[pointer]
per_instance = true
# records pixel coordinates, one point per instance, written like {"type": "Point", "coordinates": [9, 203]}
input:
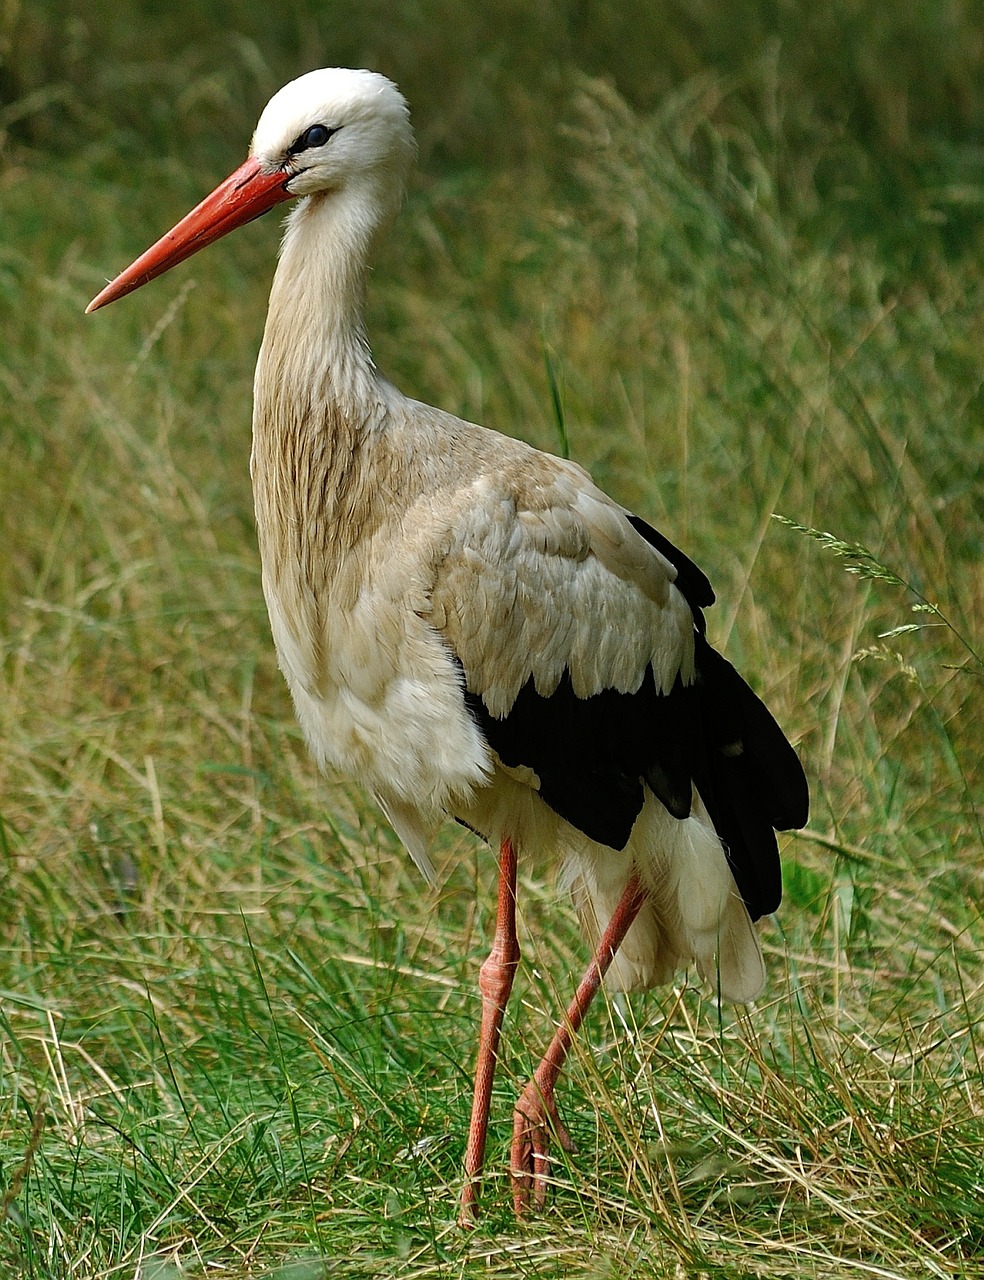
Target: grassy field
{"type": "Point", "coordinates": [235, 1030]}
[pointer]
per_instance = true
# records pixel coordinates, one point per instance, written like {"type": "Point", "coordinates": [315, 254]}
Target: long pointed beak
{"type": "Point", "coordinates": [243, 196]}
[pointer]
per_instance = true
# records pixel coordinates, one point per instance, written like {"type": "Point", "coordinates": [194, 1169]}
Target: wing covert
{"type": "Point", "coordinates": [550, 581]}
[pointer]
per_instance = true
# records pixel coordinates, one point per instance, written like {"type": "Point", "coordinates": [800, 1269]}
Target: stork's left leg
{"type": "Point", "coordinates": [495, 982]}
{"type": "Point", "coordinates": [536, 1116]}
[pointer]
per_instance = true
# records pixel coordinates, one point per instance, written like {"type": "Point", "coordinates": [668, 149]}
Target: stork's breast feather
{"type": "Point", "coordinates": [543, 578]}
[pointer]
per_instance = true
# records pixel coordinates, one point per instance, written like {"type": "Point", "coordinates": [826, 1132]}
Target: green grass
{"type": "Point", "coordinates": [235, 1030]}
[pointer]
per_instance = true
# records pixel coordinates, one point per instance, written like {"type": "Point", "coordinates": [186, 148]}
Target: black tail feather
{"type": "Point", "coordinates": [750, 779]}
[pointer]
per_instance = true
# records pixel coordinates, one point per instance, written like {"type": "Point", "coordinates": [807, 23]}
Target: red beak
{"type": "Point", "coordinates": [243, 196]}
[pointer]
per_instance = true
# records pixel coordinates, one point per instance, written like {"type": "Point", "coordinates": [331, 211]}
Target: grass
{"type": "Point", "coordinates": [235, 1030]}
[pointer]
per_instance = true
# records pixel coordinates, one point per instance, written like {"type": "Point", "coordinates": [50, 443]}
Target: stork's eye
{"type": "Point", "coordinates": [316, 136]}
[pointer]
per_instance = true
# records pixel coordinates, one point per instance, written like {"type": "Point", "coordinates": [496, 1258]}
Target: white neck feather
{"type": "Point", "coordinates": [315, 350]}
{"type": "Point", "coordinates": [319, 405]}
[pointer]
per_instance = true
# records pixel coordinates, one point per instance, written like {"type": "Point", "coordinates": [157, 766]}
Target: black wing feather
{"type": "Point", "coordinates": [692, 582]}
{"type": "Point", "coordinates": [592, 755]}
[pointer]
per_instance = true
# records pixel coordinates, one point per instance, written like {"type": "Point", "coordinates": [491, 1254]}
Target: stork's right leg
{"type": "Point", "coordinates": [495, 981]}
{"type": "Point", "coordinates": [536, 1117]}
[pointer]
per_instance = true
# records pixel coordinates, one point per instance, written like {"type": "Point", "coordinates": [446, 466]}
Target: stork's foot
{"type": "Point", "coordinates": [535, 1121]}
{"type": "Point", "coordinates": [468, 1208]}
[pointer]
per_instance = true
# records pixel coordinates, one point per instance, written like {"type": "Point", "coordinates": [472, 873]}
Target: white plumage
{"type": "Point", "coordinates": [471, 627]}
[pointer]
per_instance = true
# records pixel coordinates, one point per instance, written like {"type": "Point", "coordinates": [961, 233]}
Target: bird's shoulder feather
{"type": "Point", "coordinates": [539, 575]}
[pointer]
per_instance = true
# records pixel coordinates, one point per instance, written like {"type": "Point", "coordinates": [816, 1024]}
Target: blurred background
{"type": "Point", "coordinates": [868, 111]}
{"type": "Point", "coordinates": [887, 79]}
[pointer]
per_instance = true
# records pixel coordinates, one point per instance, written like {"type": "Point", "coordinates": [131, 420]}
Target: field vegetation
{"type": "Point", "coordinates": [727, 256]}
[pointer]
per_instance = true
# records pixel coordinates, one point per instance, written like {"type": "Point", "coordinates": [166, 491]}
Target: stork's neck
{"type": "Point", "coordinates": [315, 355]}
{"type": "Point", "coordinates": [320, 408]}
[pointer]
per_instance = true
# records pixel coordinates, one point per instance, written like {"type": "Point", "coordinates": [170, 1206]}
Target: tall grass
{"type": "Point", "coordinates": [235, 1031]}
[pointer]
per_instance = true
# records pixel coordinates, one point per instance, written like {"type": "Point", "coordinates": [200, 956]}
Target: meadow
{"type": "Point", "coordinates": [729, 258]}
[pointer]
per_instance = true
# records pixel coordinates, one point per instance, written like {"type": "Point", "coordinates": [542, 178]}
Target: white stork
{"type": "Point", "coordinates": [474, 630]}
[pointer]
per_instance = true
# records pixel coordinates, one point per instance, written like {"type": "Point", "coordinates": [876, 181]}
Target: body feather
{"type": "Point", "coordinates": [474, 630]}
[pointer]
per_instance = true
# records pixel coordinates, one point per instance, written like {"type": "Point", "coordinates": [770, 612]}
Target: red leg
{"type": "Point", "coordinates": [536, 1116]}
{"type": "Point", "coordinates": [495, 981]}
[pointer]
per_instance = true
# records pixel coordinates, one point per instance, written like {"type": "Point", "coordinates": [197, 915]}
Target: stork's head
{"type": "Point", "coordinates": [334, 128]}
{"type": "Point", "coordinates": [340, 132]}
